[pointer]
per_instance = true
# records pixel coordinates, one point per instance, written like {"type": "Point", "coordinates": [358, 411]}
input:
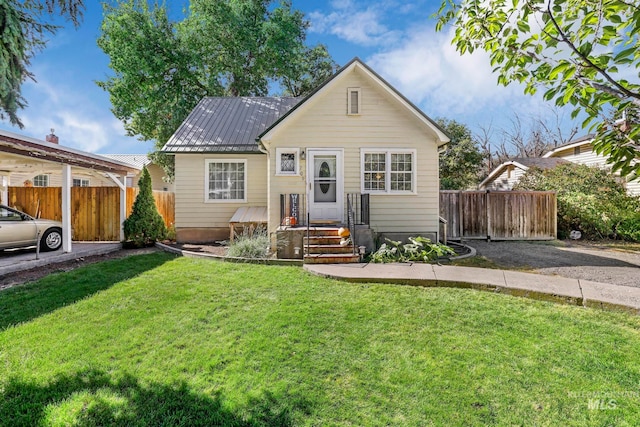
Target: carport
{"type": "Point", "coordinates": [21, 154]}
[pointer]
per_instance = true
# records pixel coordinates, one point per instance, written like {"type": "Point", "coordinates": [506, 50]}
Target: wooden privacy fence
{"type": "Point", "coordinates": [95, 211]}
{"type": "Point", "coordinates": [165, 202]}
{"type": "Point", "coordinates": [499, 215]}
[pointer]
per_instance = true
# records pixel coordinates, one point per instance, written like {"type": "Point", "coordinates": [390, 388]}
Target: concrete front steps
{"type": "Point", "coordinates": [323, 247]}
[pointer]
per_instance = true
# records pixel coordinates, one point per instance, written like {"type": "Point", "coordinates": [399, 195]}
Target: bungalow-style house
{"type": "Point", "coordinates": [507, 174]}
{"type": "Point", "coordinates": [581, 151]}
{"type": "Point", "coordinates": [353, 151]}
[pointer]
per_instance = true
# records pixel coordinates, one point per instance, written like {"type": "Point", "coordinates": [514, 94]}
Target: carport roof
{"type": "Point", "coordinates": [38, 150]}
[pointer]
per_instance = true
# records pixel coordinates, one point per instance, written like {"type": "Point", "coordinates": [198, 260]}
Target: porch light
{"type": "Point", "coordinates": [296, 250]}
{"type": "Point", "coordinates": [302, 155]}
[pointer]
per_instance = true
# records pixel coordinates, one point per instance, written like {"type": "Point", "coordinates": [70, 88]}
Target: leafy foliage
{"type": "Point", "coordinates": [461, 164]}
{"type": "Point", "coordinates": [253, 245]}
{"type": "Point", "coordinates": [222, 48]}
{"type": "Point", "coordinates": [145, 225]}
{"type": "Point", "coordinates": [22, 34]}
{"type": "Point", "coordinates": [418, 249]}
{"type": "Point", "coordinates": [589, 199]}
{"type": "Point", "coordinates": [583, 54]}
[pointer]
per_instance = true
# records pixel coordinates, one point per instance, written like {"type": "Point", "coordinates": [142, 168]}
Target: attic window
{"type": "Point", "coordinates": [576, 151]}
{"type": "Point", "coordinates": [287, 161]}
{"type": "Point", "coordinates": [353, 101]}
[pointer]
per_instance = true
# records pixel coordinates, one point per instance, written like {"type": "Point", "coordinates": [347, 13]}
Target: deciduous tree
{"type": "Point", "coordinates": [585, 54]}
{"type": "Point", "coordinates": [462, 162]}
{"type": "Point", "coordinates": [221, 48]}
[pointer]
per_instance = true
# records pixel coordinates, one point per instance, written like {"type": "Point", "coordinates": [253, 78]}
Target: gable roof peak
{"type": "Point", "coordinates": [441, 134]}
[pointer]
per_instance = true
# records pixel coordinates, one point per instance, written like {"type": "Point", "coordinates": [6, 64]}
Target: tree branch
{"type": "Point", "coordinates": [622, 90]}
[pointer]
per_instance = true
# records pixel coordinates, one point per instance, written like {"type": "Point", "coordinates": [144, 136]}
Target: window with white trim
{"type": "Point", "coordinates": [388, 171]}
{"type": "Point", "coordinates": [353, 101]}
{"type": "Point", "coordinates": [41, 181]}
{"type": "Point", "coordinates": [226, 181]}
{"type": "Point", "coordinates": [287, 161]}
{"type": "Point", "coordinates": [80, 182]}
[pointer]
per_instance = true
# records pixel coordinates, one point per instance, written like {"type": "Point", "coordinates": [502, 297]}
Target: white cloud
{"type": "Point", "coordinates": [359, 26]}
{"type": "Point", "coordinates": [428, 69]}
{"type": "Point", "coordinates": [80, 116]}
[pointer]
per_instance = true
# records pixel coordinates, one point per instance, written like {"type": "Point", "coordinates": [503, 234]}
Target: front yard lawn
{"type": "Point", "coordinates": [157, 340]}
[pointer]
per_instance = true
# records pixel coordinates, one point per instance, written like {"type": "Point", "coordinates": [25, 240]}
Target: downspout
{"type": "Point", "coordinates": [272, 235]}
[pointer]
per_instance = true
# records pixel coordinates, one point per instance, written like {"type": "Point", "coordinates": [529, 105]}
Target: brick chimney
{"type": "Point", "coordinates": [52, 138]}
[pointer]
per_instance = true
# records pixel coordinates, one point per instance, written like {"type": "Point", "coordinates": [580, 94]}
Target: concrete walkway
{"type": "Point", "coordinates": [537, 286]}
{"type": "Point", "coordinates": [25, 259]}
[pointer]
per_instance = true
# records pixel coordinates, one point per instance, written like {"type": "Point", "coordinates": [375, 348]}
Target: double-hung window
{"type": "Point", "coordinates": [388, 171]}
{"type": "Point", "coordinates": [226, 181]}
{"type": "Point", "coordinates": [41, 181]}
{"type": "Point", "coordinates": [80, 182]}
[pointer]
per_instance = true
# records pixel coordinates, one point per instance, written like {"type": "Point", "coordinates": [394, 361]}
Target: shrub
{"type": "Point", "coordinates": [629, 228]}
{"type": "Point", "coordinates": [145, 225]}
{"type": "Point", "coordinates": [250, 245]}
{"type": "Point", "coordinates": [589, 199]}
{"type": "Point", "coordinates": [418, 249]}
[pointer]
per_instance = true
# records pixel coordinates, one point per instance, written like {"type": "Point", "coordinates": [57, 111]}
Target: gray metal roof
{"type": "Point", "coordinates": [136, 160]}
{"type": "Point", "coordinates": [225, 124]}
{"type": "Point", "coordinates": [540, 162]}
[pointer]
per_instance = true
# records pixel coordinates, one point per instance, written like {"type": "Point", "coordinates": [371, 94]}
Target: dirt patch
{"type": "Point", "coordinates": [580, 260]}
{"type": "Point", "coordinates": [215, 248]}
{"type": "Point", "coordinates": [31, 275]}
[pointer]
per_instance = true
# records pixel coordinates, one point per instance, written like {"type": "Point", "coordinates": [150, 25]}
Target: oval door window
{"type": "Point", "coordinates": [324, 172]}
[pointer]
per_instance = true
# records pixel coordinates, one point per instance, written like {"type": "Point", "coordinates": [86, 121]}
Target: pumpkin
{"type": "Point", "coordinates": [343, 232]}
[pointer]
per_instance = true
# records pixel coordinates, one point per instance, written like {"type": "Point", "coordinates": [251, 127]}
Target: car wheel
{"type": "Point", "coordinates": [51, 240]}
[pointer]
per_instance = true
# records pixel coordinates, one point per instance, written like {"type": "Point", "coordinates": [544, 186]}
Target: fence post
{"type": "Point", "coordinates": [460, 216]}
{"type": "Point", "coordinates": [488, 210]}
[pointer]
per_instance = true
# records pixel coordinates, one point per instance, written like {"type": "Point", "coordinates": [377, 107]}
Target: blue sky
{"type": "Point", "coordinates": [396, 38]}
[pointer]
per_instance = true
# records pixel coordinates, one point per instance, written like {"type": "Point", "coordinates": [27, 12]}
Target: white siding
{"type": "Point", "coordinates": [191, 209]}
{"type": "Point", "coordinates": [505, 181]}
{"type": "Point", "coordinates": [590, 158]}
{"type": "Point", "coordinates": [55, 179]}
{"type": "Point", "coordinates": [586, 157]}
{"type": "Point", "coordinates": [382, 123]}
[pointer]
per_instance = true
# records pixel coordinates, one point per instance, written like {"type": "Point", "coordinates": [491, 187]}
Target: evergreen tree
{"type": "Point", "coordinates": [145, 225]}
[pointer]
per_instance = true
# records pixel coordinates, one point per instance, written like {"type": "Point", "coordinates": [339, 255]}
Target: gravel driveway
{"type": "Point", "coordinates": [568, 259]}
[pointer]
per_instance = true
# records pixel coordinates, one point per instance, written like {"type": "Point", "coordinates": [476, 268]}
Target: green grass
{"type": "Point", "coordinates": [156, 340]}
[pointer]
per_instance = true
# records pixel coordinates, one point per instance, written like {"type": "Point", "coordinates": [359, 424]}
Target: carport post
{"type": "Point", "coordinates": [122, 183]}
{"type": "Point", "coordinates": [66, 208]}
{"type": "Point", "coordinates": [5, 190]}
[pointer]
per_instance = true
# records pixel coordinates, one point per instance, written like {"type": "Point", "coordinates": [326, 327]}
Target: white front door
{"type": "Point", "coordinates": [325, 185]}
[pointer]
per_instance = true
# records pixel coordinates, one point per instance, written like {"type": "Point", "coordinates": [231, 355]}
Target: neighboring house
{"type": "Point", "coordinates": [581, 151]}
{"type": "Point", "coordinates": [159, 180]}
{"type": "Point", "coordinates": [286, 157]}
{"type": "Point", "coordinates": [507, 174]}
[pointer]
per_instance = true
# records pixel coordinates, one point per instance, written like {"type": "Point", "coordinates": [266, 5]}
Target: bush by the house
{"type": "Point", "coordinates": [145, 225]}
{"type": "Point", "coordinates": [250, 244]}
{"type": "Point", "coordinates": [590, 200]}
{"type": "Point", "coordinates": [418, 249]}
{"type": "Point", "coordinates": [629, 228]}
